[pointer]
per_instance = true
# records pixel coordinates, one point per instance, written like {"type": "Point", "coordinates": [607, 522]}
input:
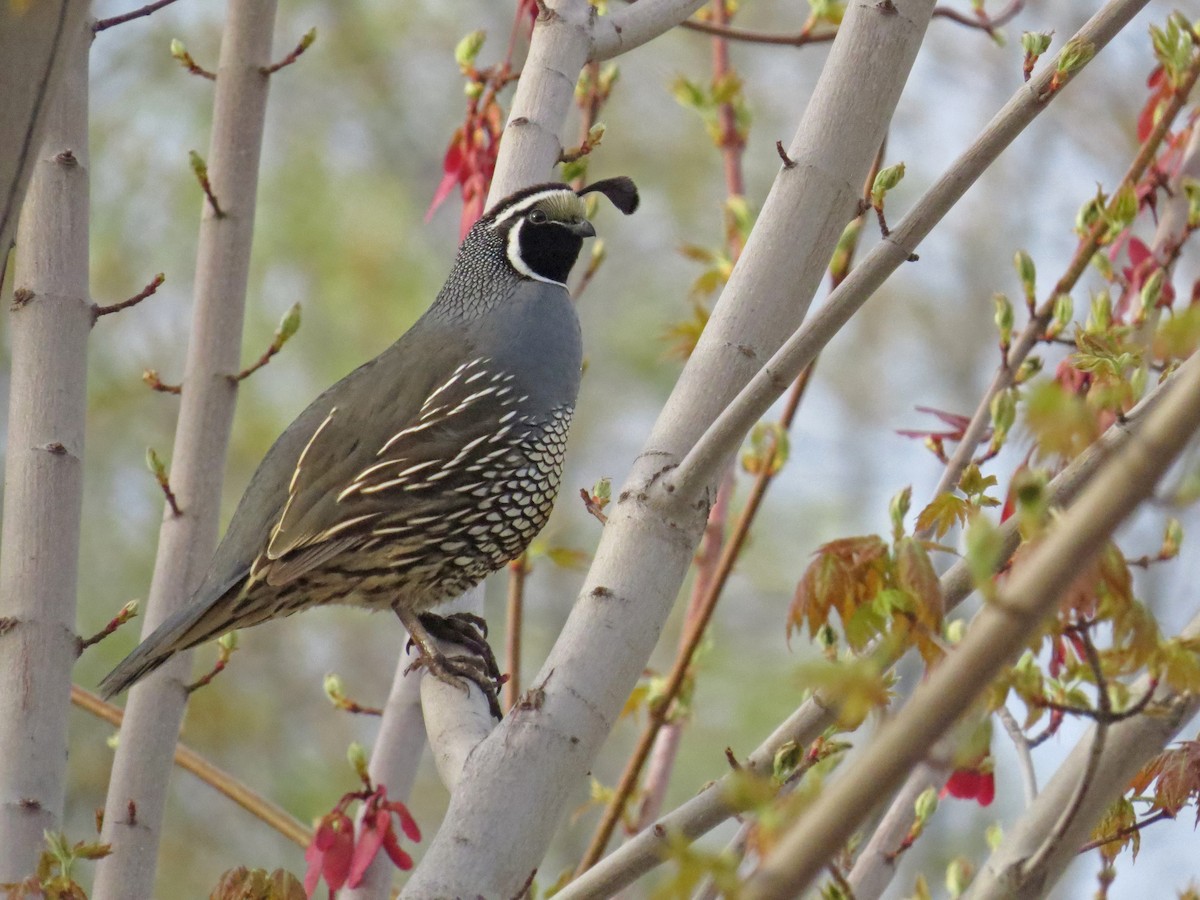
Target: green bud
{"type": "Point", "coordinates": [958, 876]}
{"type": "Point", "coordinates": [308, 40]}
{"type": "Point", "coordinates": [1004, 318]}
{"type": "Point", "coordinates": [1092, 210]}
{"type": "Point", "coordinates": [1027, 272]}
{"type": "Point", "coordinates": [1035, 43]}
{"type": "Point", "coordinates": [887, 179]}
{"type": "Point", "coordinates": [468, 48]}
{"type": "Point", "coordinates": [1004, 413]}
{"type": "Point", "coordinates": [599, 253]}
{"type": "Point", "coordinates": [602, 490]}
{"type": "Point", "coordinates": [1191, 190]}
{"type": "Point", "coordinates": [473, 89]}
{"type": "Point", "coordinates": [956, 630]}
{"type": "Point", "coordinates": [178, 50]}
{"type": "Point", "coordinates": [898, 509]}
{"type": "Point", "coordinates": [198, 164]}
{"type": "Point", "coordinates": [1075, 55]}
{"type": "Point", "coordinates": [155, 464]}
{"type": "Point", "coordinates": [333, 687]}
{"type": "Point", "coordinates": [289, 324]}
{"type": "Point", "coordinates": [1100, 317]}
{"type": "Point", "coordinates": [994, 835]}
{"type": "Point", "coordinates": [1152, 292]}
{"type": "Point", "coordinates": [1123, 208]}
{"type": "Point", "coordinates": [1029, 367]}
{"type": "Point", "coordinates": [595, 134]}
{"type": "Point", "coordinates": [228, 641]}
{"type": "Point", "coordinates": [839, 264]}
{"type": "Point", "coordinates": [786, 759]}
{"type": "Point", "coordinates": [926, 805]}
{"type": "Point", "coordinates": [1064, 311]}
{"type": "Point", "coordinates": [1172, 539]}
{"type": "Point", "coordinates": [358, 759]}
{"type": "Point", "coordinates": [984, 547]}
{"type": "Point", "coordinates": [1137, 381]}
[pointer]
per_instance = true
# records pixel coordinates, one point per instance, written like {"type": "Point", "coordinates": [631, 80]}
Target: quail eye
{"type": "Point", "coordinates": [537, 217]}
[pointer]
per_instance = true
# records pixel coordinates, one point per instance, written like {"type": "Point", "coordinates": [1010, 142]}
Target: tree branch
{"type": "Point", "coordinates": [703, 459]}
{"type": "Point", "coordinates": [105, 24]}
{"type": "Point", "coordinates": [709, 808]}
{"type": "Point", "coordinates": [35, 44]}
{"type": "Point", "coordinates": [189, 760]}
{"type": "Point", "coordinates": [631, 26]}
{"type": "Point", "coordinates": [1128, 745]}
{"type": "Point", "coordinates": [186, 542]}
{"type": "Point", "coordinates": [998, 633]}
{"type": "Point", "coordinates": [43, 469]}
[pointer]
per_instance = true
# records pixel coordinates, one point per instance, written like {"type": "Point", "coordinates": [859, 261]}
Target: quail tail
{"type": "Point", "coordinates": [189, 627]}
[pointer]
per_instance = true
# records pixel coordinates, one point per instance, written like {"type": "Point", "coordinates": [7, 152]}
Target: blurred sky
{"type": "Point", "coordinates": [355, 137]}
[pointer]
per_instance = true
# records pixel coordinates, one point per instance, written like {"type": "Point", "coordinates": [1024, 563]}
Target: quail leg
{"type": "Point", "coordinates": [467, 631]}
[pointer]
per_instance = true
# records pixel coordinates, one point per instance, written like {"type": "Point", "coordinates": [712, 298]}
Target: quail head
{"type": "Point", "coordinates": [425, 469]}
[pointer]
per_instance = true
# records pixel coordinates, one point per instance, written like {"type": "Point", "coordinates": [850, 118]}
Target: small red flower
{"type": "Point", "coordinates": [977, 783]}
{"type": "Point", "coordinates": [378, 832]}
{"type": "Point", "coordinates": [339, 858]}
{"type": "Point", "coordinates": [330, 853]}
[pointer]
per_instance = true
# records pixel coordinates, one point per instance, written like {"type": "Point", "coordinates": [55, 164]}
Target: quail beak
{"type": "Point", "coordinates": [582, 227]}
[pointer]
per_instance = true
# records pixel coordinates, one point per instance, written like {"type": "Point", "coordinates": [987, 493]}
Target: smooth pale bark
{"type": "Point", "coordinates": [137, 793]}
{"type": "Point", "coordinates": [524, 771]}
{"type": "Point", "coordinates": [998, 634]}
{"type": "Point", "coordinates": [1024, 865]}
{"type": "Point", "coordinates": [43, 473]}
{"type": "Point", "coordinates": [34, 47]}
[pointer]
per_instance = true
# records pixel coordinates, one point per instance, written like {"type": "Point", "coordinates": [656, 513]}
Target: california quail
{"type": "Point", "coordinates": [425, 469]}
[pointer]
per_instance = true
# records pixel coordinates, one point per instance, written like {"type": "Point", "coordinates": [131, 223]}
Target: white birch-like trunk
{"type": "Point", "coordinates": [524, 771]}
{"type": "Point", "coordinates": [34, 47]}
{"type": "Point", "coordinates": [43, 475]}
{"type": "Point", "coordinates": [137, 792]}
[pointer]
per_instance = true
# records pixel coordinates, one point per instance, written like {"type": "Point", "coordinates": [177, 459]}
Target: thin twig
{"type": "Point", "coordinates": [305, 42]}
{"type": "Point", "coordinates": [150, 377]}
{"type": "Point", "coordinates": [1024, 757]}
{"type": "Point", "coordinates": [128, 611]}
{"type": "Point", "coordinates": [1036, 327]}
{"type": "Point", "coordinates": [806, 36]}
{"type": "Point", "coordinates": [200, 168]}
{"type": "Point", "coordinates": [186, 758]}
{"type": "Point", "coordinates": [1127, 830]}
{"type": "Point", "coordinates": [147, 291]}
{"type": "Point", "coordinates": [105, 24]}
{"type": "Point", "coordinates": [517, 570]}
{"type": "Point", "coordinates": [1035, 861]}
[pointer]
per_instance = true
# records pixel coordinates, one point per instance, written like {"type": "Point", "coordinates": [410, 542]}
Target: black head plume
{"type": "Point", "coordinates": [621, 192]}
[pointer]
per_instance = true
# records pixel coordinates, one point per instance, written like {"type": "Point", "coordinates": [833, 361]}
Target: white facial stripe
{"type": "Point", "coordinates": [525, 204]}
{"type": "Point", "coordinates": [514, 256]}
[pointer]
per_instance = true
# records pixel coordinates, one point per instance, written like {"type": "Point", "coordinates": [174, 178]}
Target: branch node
{"type": "Point", "coordinates": [147, 291]}
{"type": "Point", "coordinates": [21, 298]}
{"type": "Point", "coordinates": [788, 162]}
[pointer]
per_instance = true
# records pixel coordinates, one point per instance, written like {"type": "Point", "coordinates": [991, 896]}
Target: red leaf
{"type": "Point", "coordinates": [375, 826]}
{"type": "Point", "coordinates": [398, 857]}
{"type": "Point", "coordinates": [971, 784]}
{"type": "Point", "coordinates": [329, 853]}
{"type": "Point", "coordinates": [452, 165]}
{"type": "Point", "coordinates": [407, 822]}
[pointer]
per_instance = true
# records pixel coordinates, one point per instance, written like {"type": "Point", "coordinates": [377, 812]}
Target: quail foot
{"type": "Point", "coordinates": [425, 469]}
